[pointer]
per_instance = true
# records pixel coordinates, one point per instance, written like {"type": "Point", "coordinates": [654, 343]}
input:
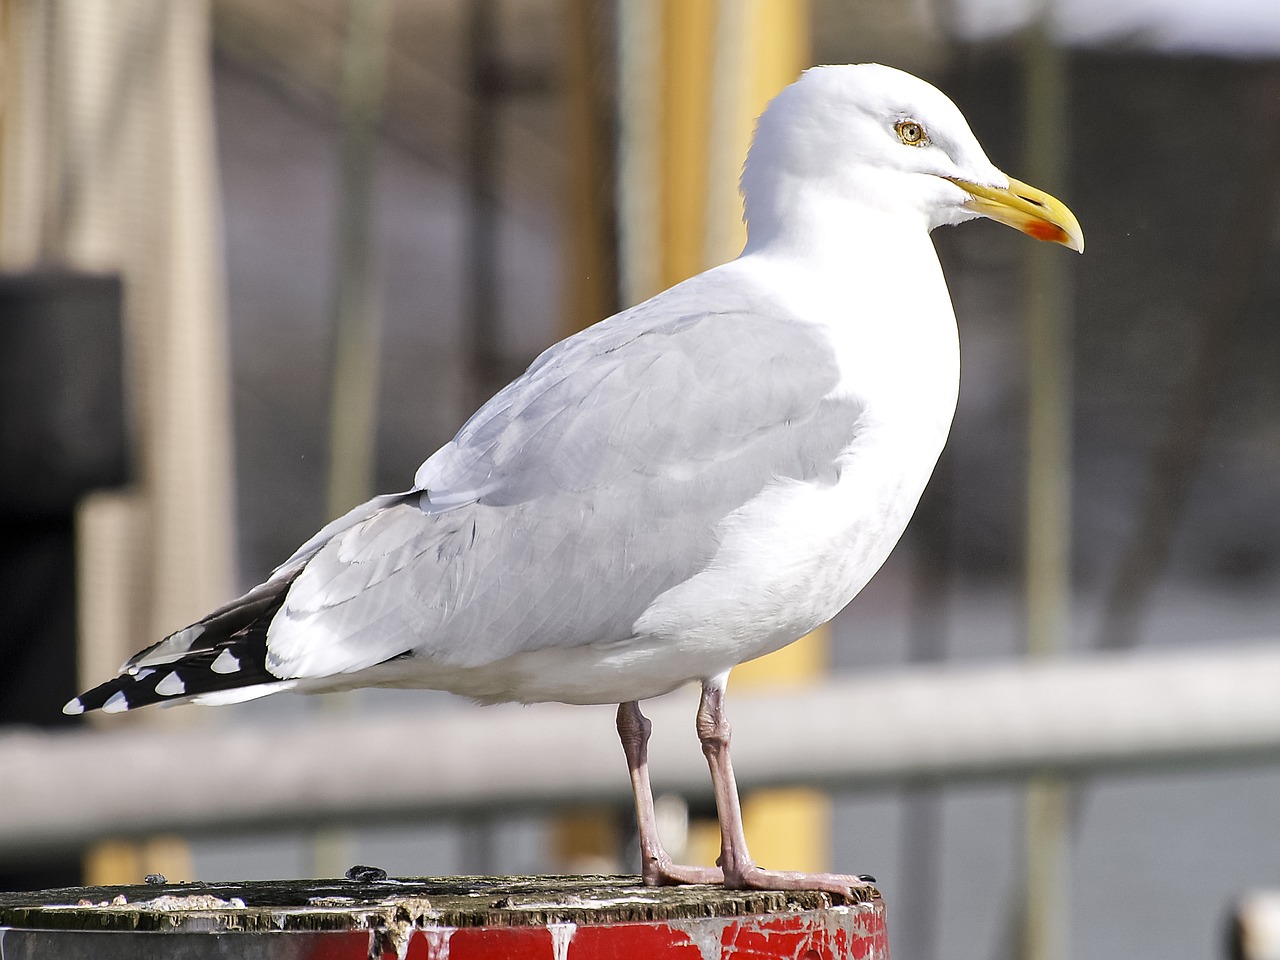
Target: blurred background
{"type": "Point", "coordinates": [259, 258]}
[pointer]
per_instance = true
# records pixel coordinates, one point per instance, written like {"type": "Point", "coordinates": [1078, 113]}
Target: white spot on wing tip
{"type": "Point", "coordinates": [225, 663]}
{"type": "Point", "coordinates": [73, 708]}
{"type": "Point", "coordinates": [171, 686]}
{"type": "Point", "coordinates": [116, 704]}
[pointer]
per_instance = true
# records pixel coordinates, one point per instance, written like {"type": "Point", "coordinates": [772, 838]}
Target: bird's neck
{"type": "Point", "coordinates": [835, 232]}
{"type": "Point", "coordinates": [849, 246]}
{"type": "Point", "coordinates": [872, 279]}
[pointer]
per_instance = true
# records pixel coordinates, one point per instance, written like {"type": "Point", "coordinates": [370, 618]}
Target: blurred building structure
{"type": "Point", "coordinates": [1169, 160]}
{"type": "Point", "coordinates": [107, 167]}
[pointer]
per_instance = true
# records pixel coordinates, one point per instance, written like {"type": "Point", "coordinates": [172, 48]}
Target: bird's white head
{"type": "Point", "coordinates": [866, 140]}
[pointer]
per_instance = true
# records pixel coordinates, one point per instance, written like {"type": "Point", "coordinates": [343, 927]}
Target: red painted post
{"type": "Point", "coordinates": [833, 933]}
{"type": "Point", "coordinates": [461, 918]}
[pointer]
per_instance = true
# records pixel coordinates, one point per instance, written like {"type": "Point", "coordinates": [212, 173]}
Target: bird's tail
{"type": "Point", "coordinates": [220, 659]}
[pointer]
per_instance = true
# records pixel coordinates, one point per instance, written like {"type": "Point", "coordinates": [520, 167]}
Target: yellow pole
{"type": "Point", "coordinates": [687, 31]}
{"type": "Point", "coordinates": [721, 64]}
{"type": "Point", "coordinates": [714, 64]}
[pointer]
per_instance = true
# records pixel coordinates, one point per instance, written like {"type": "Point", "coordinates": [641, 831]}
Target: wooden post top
{"type": "Point", "coordinates": [558, 918]}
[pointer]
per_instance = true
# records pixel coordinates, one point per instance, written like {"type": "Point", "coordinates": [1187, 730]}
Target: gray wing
{"type": "Point", "coordinates": [578, 494]}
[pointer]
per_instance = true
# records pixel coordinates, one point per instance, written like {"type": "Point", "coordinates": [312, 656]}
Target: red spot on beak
{"type": "Point", "coordinates": [1043, 230]}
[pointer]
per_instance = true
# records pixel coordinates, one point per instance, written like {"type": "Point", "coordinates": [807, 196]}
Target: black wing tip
{"type": "Point", "coordinates": [129, 690]}
{"type": "Point", "coordinates": [229, 666]}
{"type": "Point", "coordinates": [225, 651]}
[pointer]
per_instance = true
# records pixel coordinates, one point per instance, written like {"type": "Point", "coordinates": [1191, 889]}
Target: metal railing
{"type": "Point", "coordinates": [1102, 713]}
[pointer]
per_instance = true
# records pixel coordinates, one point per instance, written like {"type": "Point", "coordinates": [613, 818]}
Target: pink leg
{"type": "Point", "coordinates": [656, 866]}
{"type": "Point", "coordinates": [740, 871]}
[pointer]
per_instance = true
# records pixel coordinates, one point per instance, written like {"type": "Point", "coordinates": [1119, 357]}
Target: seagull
{"type": "Point", "coordinates": [692, 483]}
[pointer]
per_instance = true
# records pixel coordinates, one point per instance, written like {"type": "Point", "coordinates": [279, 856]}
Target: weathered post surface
{"type": "Point", "coordinates": [452, 918]}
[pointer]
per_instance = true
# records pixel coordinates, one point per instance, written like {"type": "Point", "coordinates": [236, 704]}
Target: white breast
{"type": "Point", "coordinates": [796, 554]}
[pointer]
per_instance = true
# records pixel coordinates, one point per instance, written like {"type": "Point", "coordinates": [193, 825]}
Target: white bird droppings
{"type": "Point", "coordinates": [438, 942]}
{"type": "Point", "coordinates": [561, 937]}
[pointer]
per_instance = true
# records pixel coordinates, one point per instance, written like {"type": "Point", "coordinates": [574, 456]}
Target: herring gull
{"type": "Point", "coordinates": [692, 483]}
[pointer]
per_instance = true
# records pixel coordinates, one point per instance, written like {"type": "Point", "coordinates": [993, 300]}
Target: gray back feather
{"type": "Point", "coordinates": [580, 492]}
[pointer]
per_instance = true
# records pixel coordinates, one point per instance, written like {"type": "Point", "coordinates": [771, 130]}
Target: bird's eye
{"type": "Point", "coordinates": [911, 133]}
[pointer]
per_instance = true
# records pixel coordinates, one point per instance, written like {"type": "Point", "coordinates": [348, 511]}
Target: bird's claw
{"type": "Point", "coordinates": [662, 872]}
{"type": "Point", "coordinates": [849, 888]}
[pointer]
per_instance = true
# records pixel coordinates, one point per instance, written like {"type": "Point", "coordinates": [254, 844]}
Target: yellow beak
{"type": "Point", "coordinates": [1025, 208]}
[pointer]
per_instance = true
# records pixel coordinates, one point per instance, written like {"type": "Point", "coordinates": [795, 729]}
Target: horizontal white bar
{"type": "Point", "coordinates": [1101, 713]}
